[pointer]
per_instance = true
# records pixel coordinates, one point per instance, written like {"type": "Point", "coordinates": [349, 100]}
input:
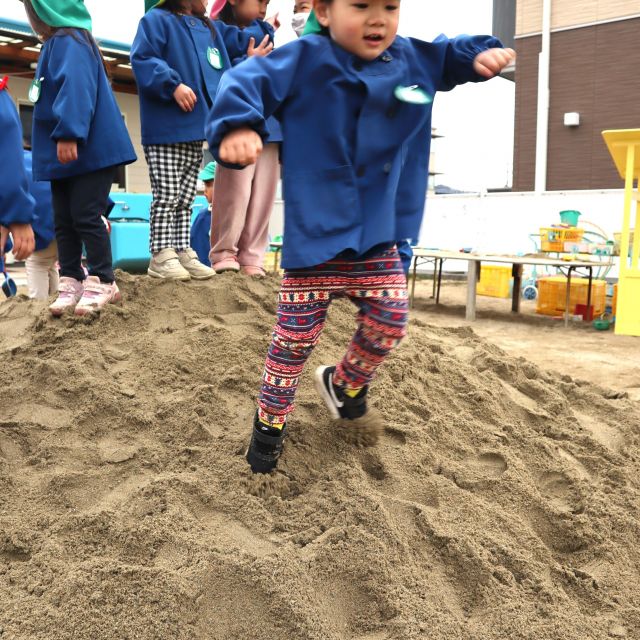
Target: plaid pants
{"type": "Point", "coordinates": [375, 284]}
{"type": "Point", "coordinates": [173, 170]}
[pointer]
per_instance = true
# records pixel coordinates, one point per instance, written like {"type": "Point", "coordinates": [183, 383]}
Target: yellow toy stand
{"type": "Point", "coordinates": [624, 147]}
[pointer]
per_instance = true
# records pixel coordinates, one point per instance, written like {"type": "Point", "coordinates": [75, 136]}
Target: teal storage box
{"type": "Point", "coordinates": [129, 220]}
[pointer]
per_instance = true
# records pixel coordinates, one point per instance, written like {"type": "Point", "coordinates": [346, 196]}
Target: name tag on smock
{"type": "Point", "coordinates": [412, 95]}
{"type": "Point", "coordinates": [34, 90]}
{"type": "Point", "coordinates": [214, 58]}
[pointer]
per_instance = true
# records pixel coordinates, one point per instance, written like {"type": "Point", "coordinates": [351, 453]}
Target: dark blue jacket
{"type": "Point", "coordinates": [201, 235]}
{"type": "Point", "coordinates": [76, 103]}
{"type": "Point", "coordinates": [346, 136]}
{"type": "Point", "coordinates": [169, 50]}
{"type": "Point", "coordinates": [16, 204]}
{"type": "Point", "coordinates": [43, 227]}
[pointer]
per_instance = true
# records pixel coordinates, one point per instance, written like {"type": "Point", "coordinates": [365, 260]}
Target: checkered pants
{"type": "Point", "coordinates": [173, 170]}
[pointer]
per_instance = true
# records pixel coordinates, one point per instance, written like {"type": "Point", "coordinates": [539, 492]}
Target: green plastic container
{"type": "Point", "coordinates": [570, 217]}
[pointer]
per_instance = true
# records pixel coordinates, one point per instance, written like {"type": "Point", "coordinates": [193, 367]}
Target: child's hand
{"type": "Point", "coordinates": [242, 146]}
{"type": "Point", "coordinates": [24, 242]}
{"type": "Point", "coordinates": [185, 97]}
{"type": "Point", "coordinates": [274, 21]}
{"type": "Point", "coordinates": [263, 49]}
{"type": "Point", "coordinates": [67, 151]}
{"type": "Point", "coordinates": [491, 62]}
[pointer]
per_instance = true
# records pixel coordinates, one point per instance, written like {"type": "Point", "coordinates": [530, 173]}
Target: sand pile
{"type": "Point", "coordinates": [502, 501]}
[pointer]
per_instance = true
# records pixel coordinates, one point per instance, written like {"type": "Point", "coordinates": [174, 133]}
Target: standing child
{"type": "Point", "coordinates": [16, 204]}
{"type": "Point", "coordinates": [301, 11]}
{"type": "Point", "coordinates": [79, 137]}
{"type": "Point", "coordinates": [351, 100]}
{"type": "Point", "coordinates": [201, 227]}
{"type": "Point", "coordinates": [244, 199]}
{"type": "Point", "coordinates": [178, 57]}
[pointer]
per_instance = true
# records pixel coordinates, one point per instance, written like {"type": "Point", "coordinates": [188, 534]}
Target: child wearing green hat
{"type": "Point", "coordinates": [79, 138]}
{"type": "Point", "coordinates": [355, 103]}
{"type": "Point", "coordinates": [178, 57]}
{"type": "Point", "coordinates": [201, 227]}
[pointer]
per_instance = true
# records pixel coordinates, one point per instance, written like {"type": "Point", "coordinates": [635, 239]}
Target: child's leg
{"type": "Point", "coordinates": [381, 295]}
{"type": "Point", "coordinates": [38, 267]}
{"type": "Point", "coordinates": [302, 310]}
{"type": "Point", "coordinates": [88, 195]}
{"type": "Point", "coordinates": [165, 173]}
{"type": "Point", "coordinates": [191, 154]}
{"type": "Point", "coordinates": [255, 235]}
{"type": "Point", "coordinates": [231, 195]}
{"type": "Point", "coordinates": [54, 276]}
{"type": "Point", "coordinates": [67, 237]}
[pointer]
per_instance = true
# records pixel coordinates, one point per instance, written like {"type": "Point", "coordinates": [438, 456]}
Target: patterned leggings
{"type": "Point", "coordinates": [375, 284]}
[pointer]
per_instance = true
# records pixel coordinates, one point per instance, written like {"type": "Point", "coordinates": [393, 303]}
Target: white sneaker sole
{"type": "Point", "coordinates": [324, 394]}
{"type": "Point", "coordinates": [206, 277]}
{"type": "Point", "coordinates": [155, 274]}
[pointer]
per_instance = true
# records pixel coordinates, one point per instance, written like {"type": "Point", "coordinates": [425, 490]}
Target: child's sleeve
{"type": "Point", "coordinates": [73, 68]}
{"type": "Point", "coordinates": [16, 204]}
{"type": "Point", "coordinates": [251, 92]}
{"type": "Point", "coordinates": [458, 55]}
{"type": "Point", "coordinates": [236, 40]}
{"type": "Point", "coordinates": [153, 75]}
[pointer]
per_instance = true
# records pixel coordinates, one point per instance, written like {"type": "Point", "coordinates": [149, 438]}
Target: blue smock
{"type": "Point", "coordinates": [347, 137]}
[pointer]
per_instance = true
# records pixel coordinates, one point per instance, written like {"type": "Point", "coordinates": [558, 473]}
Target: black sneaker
{"type": "Point", "coordinates": [338, 402]}
{"type": "Point", "coordinates": [265, 447]}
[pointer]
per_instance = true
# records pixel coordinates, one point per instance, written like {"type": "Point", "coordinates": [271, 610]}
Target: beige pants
{"type": "Point", "coordinates": [42, 274]}
{"type": "Point", "coordinates": [242, 204]}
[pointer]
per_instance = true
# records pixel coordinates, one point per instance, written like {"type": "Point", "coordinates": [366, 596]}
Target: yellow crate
{"type": "Point", "coordinates": [495, 281]}
{"type": "Point", "coordinates": [553, 238]}
{"type": "Point", "coordinates": [614, 302]}
{"type": "Point", "coordinates": [272, 261]}
{"type": "Point", "coordinates": [552, 295]}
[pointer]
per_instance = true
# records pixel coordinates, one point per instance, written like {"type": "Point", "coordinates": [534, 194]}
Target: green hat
{"type": "Point", "coordinates": [312, 26]}
{"type": "Point", "coordinates": [150, 4]}
{"type": "Point", "coordinates": [208, 173]}
{"type": "Point", "coordinates": [63, 13]}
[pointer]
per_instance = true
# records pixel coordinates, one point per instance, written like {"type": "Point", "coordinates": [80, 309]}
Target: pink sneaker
{"type": "Point", "coordinates": [228, 264]}
{"type": "Point", "coordinates": [254, 272]}
{"type": "Point", "coordinates": [69, 293]}
{"type": "Point", "coordinates": [96, 295]}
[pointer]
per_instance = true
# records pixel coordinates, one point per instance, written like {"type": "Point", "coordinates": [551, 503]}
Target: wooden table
{"type": "Point", "coordinates": [420, 256]}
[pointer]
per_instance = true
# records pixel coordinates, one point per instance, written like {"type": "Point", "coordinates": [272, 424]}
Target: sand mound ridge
{"type": "Point", "coordinates": [501, 501]}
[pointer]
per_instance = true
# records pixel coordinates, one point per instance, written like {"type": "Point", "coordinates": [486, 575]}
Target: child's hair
{"type": "Point", "coordinates": [177, 6]}
{"type": "Point", "coordinates": [46, 32]}
{"type": "Point", "coordinates": [228, 15]}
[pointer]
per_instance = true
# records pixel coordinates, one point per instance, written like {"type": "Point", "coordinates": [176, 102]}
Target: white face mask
{"type": "Point", "coordinates": [298, 22]}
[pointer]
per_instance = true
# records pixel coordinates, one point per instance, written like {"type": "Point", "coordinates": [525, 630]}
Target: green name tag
{"type": "Point", "coordinates": [34, 90]}
{"type": "Point", "coordinates": [412, 95]}
{"type": "Point", "coordinates": [214, 58]}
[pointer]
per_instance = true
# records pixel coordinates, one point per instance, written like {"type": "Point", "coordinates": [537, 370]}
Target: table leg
{"type": "Point", "coordinates": [435, 277]}
{"type": "Point", "coordinates": [589, 291]}
{"type": "Point", "coordinates": [517, 287]}
{"type": "Point", "coordinates": [413, 282]}
{"type": "Point", "coordinates": [567, 303]}
{"type": "Point", "coordinates": [441, 261]}
{"type": "Point", "coordinates": [472, 281]}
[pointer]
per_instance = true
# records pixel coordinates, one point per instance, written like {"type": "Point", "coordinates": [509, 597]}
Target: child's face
{"type": "Point", "coordinates": [365, 28]}
{"type": "Point", "coordinates": [303, 6]}
{"type": "Point", "coordinates": [199, 7]}
{"type": "Point", "coordinates": [247, 11]}
{"type": "Point", "coordinates": [208, 191]}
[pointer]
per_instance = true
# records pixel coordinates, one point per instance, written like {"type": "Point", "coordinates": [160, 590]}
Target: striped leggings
{"type": "Point", "coordinates": [375, 284]}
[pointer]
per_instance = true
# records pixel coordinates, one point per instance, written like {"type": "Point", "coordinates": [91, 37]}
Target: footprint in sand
{"type": "Point", "coordinates": [491, 465]}
{"type": "Point", "coordinates": [560, 492]}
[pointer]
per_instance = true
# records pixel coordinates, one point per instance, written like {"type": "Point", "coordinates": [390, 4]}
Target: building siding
{"type": "Point", "coordinates": [569, 13]}
{"type": "Point", "coordinates": [591, 73]}
{"type": "Point", "coordinates": [137, 173]}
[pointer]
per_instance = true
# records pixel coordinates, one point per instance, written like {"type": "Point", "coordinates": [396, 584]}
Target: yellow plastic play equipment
{"type": "Point", "coordinates": [624, 147]}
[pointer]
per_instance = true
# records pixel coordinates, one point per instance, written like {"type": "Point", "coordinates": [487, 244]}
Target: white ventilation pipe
{"type": "Point", "coordinates": [542, 132]}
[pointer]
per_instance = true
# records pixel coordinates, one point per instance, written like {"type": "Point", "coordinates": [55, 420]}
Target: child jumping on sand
{"type": "Point", "coordinates": [352, 100]}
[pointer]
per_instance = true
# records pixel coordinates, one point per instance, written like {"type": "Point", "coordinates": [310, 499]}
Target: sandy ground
{"type": "Point", "coordinates": [502, 501]}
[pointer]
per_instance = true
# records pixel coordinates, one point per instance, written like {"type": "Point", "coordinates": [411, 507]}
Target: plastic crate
{"type": "Point", "coordinates": [552, 295]}
{"type": "Point", "coordinates": [614, 303]}
{"type": "Point", "coordinates": [554, 238]}
{"type": "Point", "coordinates": [495, 281]}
